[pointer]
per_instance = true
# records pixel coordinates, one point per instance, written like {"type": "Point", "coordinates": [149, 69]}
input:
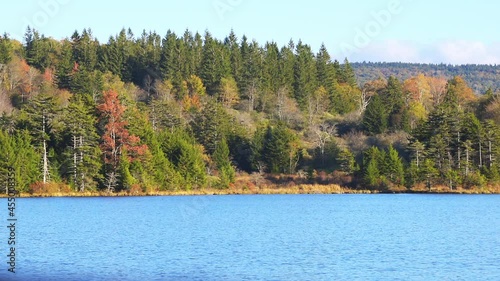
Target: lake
{"type": "Point", "coordinates": [296, 237]}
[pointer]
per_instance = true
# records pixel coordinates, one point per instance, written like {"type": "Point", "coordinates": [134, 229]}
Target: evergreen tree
{"type": "Point", "coordinates": [5, 49]}
{"type": "Point", "coordinates": [287, 66]}
{"type": "Point", "coordinates": [375, 117]}
{"type": "Point", "coordinates": [65, 66]}
{"type": "Point", "coordinates": [231, 43]}
{"type": "Point", "coordinates": [85, 49]}
{"type": "Point", "coordinates": [186, 156]}
{"type": "Point", "coordinates": [84, 163]}
{"type": "Point", "coordinates": [305, 75]}
{"type": "Point", "coordinates": [278, 149]}
{"type": "Point", "coordinates": [325, 69]}
{"type": "Point", "coordinates": [372, 164]}
{"type": "Point", "coordinates": [38, 115]}
{"type": "Point", "coordinates": [347, 74]}
{"type": "Point", "coordinates": [169, 62]}
{"type": "Point", "coordinates": [214, 64]}
{"type": "Point", "coordinates": [394, 168]}
{"type": "Point", "coordinates": [223, 163]}
{"type": "Point", "coordinates": [18, 153]}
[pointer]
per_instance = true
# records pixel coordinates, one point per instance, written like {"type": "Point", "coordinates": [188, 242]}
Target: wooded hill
{"type": "Point", "coordinates": [479, 77]}
{"type": "Point", "coordinates": [152, 113]}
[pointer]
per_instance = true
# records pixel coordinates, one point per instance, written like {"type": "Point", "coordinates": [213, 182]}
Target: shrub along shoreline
{"type": "Point", "coordinates": [301, 189]}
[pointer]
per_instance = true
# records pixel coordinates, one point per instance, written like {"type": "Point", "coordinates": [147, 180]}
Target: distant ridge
{"type": "Point", "coordinates": [479, 77]}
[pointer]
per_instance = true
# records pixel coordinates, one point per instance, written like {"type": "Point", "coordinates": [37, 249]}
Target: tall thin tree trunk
{"type": "Point", "coordinates": [467, 162]}
{"type": "Point", "coordinates": [45, 164]}
{"type": "Point", "coordinates": [75, 162]}
{"type": "Point", "coordinates": [490, 154]}
{"type": "Point", "coordinates": [82, 174]}
{"type": "Point", "coordinates": [480, 154]}
{"type": "Point", "coordinates": [459, 153]}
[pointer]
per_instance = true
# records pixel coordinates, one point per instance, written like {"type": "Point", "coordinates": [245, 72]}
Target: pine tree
{"type": "Point", "coordinates": [287, 67]}
{"type": "Point", "coordinates": [18, 153]}
{"type": "Point", "coordinates": [214, 64]}
{"type": "Point", "coordinates": [85, 50]}
{"type": "Point", "coordinates": [375, 117]}
{"type": "Point", "coordinates": [231, 43]}
{"type": "Point", "coordinates": [394, 168]}
{"type": "Point", "coordinates": [84, 151]}
{"type": "Point", "coordinates": [5, 49]}
{"type": "Point", "coordinates": [279, 149]}
{"type": "Point", "coordinates": [347, 74]}
{"type": "Point", "coordinates": [39, 114]}
{"type": "Point", "coordinates": [223, 162]}
{"type": "Point", "coordinates": [186, 156]}
{"type": "Point", "coordinates": [372, 164]}
{"type": "Point", "coordinates": [325, 69]}
{"type": "Point", "coordinates": [169, 62]}
{"type": "Point", "coordinates": [305, 75]}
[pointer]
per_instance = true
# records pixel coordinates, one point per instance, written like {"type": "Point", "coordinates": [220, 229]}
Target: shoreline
{"type": "Point", "coordinates": [266, 190]}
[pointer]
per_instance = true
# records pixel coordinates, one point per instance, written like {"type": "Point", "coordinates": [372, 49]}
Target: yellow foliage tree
{"type": "Point", "coordinates": [228, 92]}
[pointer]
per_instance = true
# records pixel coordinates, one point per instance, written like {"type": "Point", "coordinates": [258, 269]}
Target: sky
{"type": "Point", "coordinates": [420, 31]}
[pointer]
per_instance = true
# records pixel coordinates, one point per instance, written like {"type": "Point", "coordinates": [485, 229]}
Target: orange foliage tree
{"type": "Point", "coordinates": [116, 138]}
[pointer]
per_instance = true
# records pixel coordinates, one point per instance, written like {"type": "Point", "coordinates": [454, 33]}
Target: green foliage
{"type": "Point", "coordinates": [126, 180]}
{"type": "Point", "coordinates": [210, 125]}
{"type": "Point", "coordinates": [393, 167]}
{"type": "Point", "coordinates": [224, 165]}
{"type": "Point", "coordinates": [375, 118]}
{"type": "Point", "coordinates": [18, 153]}
{"type": "Point", "coordinates": [372, 164]}
{"type": "Point", "coordinates": [186, 156]}
{"type": "Point", "coordinates": [305, 74]}
{"type": "Point", "coordinates": [83, 162]}
{"type": "Point", "coordinates": [5, 49]}
{"type": "Point", "coordinates": [280, 149]}
{"type": "Point", "coordinates": [195, 103]}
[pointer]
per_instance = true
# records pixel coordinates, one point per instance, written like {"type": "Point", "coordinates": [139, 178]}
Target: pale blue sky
{"type": "Point", "coordinates": [435, 31]}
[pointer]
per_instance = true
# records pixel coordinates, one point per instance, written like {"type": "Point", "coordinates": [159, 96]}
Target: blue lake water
{"type": "Point", "coordinates": [300, 237]}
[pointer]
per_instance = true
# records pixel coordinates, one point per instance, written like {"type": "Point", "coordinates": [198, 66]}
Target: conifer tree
{"type": "Point", "coordinates": [18, 153]}
{"type": "Point", "coordinates": [39, 114]}
{"type": "Point", "coordinates": [80, 127]}
{"type": "Point", "coordinates": [223, 162]}
{"type": "Point", "coordinates": [375, 117]}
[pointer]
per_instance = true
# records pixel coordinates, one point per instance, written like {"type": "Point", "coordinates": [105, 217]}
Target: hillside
{"type": "Point", "coordinates": [142, 114]}
{"type": "Point", "coordinates": [479, 77]}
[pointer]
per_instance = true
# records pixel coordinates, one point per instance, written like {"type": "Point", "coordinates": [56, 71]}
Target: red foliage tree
{"type": "Point", "coordinates": [116, 137]}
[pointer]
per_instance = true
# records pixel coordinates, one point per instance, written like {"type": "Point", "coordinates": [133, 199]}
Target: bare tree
{"type": "Point", "coordinates": [323, 133]}
{"type": "Point", "coordinates": [251, 94]}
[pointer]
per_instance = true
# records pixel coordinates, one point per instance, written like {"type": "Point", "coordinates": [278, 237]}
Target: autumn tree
{"type": "Point", "coordinates": [116, 137]}
{"type": "Point", "coordinates": [228, 92]}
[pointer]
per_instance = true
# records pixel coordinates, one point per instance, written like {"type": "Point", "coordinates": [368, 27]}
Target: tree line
{"type": "Point", "coordinates": [479, 77]}
{"type": "Point", "coordinates": [187, 112]}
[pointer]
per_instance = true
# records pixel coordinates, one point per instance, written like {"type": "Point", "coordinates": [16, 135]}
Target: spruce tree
{"type": "Point", "coordinates": [223, 162]}
{"type": "Point", "coordinates": [375, 118]}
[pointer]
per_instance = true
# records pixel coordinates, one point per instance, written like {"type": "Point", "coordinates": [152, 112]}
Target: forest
{"type": "Point", "coordinates": [479, 77]}
{"type": "Point", "coordinates": [152, 113]}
